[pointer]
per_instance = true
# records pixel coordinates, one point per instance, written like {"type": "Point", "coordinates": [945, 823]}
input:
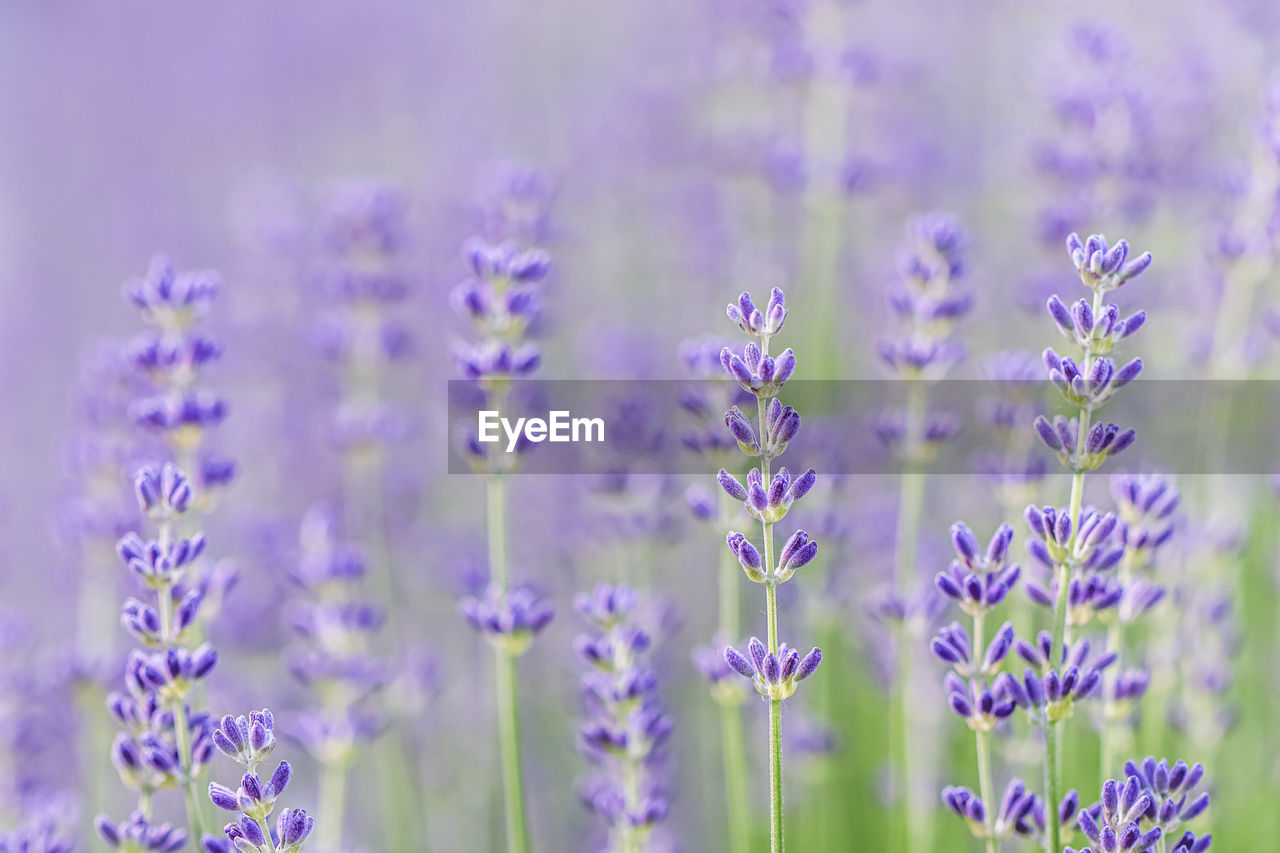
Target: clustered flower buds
{"type": "Point", "coordinates": [1141, 812]}
{"type": "Point", "coordinates": [769, 504]}
{"type": "Point", "coordinates": [499, 300]}
{"type": "Point", "coordinates": [1101, 268]}
{"type": "Point", "coordinates": [1021, 813]}
{"type": "Point", "coordinates": [775, 676]}
{"type": "Point", "coordinates": [979, 580]}
{"type": "Point", "coordinates": [761, 324]}
{"type": "Point", "coordinates": [626, 725]}
{"type": "Point", "coordinates": [139, 835]}
{"type": "Point", "coordinates": [780, 426]}
{"type": "Point", "coordinates": [509, 619]}
{"type": "Point", "coordinates": [247, 741]}
{"type": "Point", "coordinates": [1050, 691]}
{"type": "Point", "coordinates": [952, 645]}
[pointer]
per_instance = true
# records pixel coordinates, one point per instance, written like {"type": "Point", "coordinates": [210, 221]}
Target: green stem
{"type": "Point", "coordinates": [1052, 767]}
{"type": "Point", "coordinates": [983, 742]}
{"type": "Point", "coordinates": [737, 805]}
{"type": "Point", "coordinates": [509, 743]}
{"type": "Point", "coordinates": [496, 500]}
{"type": "Point", "coordinates": [183, 737]}
{"type": "Point", "coordinates": [266, 833]}
{"type": "Point", "coordinates": [914, 827]}
{"type": "Point", "coordinates": [1052, 774]}
{"type": "Point", "coordinates": [331, 802]}
{"type": "Point", "coordinates": [735, 774]}
{"type": "Point", "coordinates": [181, 730]}
{"type": "Point", "coordinates": [1111, 724]}
{"type": "Point", "coordinates": [776, 843]}
{"type": "Point", "coordinates": [505, 678]}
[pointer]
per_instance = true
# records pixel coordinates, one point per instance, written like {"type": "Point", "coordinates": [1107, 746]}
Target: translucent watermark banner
{"type": "Point", "coordinates": [856, 427]}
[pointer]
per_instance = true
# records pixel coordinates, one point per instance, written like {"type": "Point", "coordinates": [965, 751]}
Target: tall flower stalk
{"type": "Point", "coordinates": [927, 300]}
{"type": "Point", "coordinates": [249, 741]}
{"type": "Point", "coordinates": [165, 745]}
{"type": "Point", "coordinates": [978, 580]}
{"type": "Point", "coordinates": [1144, 507]}
{"type": "Point", "coordinates": [335, 629]}
{"type": "Point", "coordinates": [499, 300]}
{"type": "Point", "coordinates": [1065, 542]}
{"type": "Point", "coordinates": [626, 724]}
{"type": "Point", "coordinates": [710, 440]}
{"type": "Point", "coordinates": [774, 669]}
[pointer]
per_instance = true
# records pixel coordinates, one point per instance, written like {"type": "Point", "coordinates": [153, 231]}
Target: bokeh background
{"type": "Point", "coordinates": [682, 152]}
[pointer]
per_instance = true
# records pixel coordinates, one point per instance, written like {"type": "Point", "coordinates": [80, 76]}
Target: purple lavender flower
{"type": "Point", "coordinates": [136, 834]}
{"type": "Point", "coordinates": [509, 619]}
{"type": "Point", "coordinates": [247, 741]}
{"type": "Point", "coordinates": [1049, 691]}
{"type": "Point", "coordinates": [335, 630]}
{"type": "Point", "coordinates": [1021, 813]}
{"type": "Point", "coordinates": [1142, 811]}
{"type": "Point", "coordinates": [775, 675]}
{"type": "Point", "coordinates": [165, 744]}
{"type": "Point", "coordinates": [927, 299]}
{"type": "Point", "coordinates": [979, 580]}
{"type": "Point", "coordinates": [774, 669]}
{"type": "Point", "coordinates": [626, 725]}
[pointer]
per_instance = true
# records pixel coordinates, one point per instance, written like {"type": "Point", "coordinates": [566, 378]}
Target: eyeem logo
{"type": "Point", "coordinates": [558, 427]}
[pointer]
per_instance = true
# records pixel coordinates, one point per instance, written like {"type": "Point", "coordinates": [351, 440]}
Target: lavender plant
{"type": "Point", "coordinates": [978, 580]}
{"type": "Point", "coordinates": [710, 440]}
{"type": "Point", "coordinates": [1145, 506]}
{"type": "Point", "coordinates": [775, 670]}
{"type": "Point", "coordinates": [333, 656]}
{"type": "Point", "coordinates": [626, 725]}
{"type": "Point", "coordinates": [1145, 811]}
{"type": "Point", "coordinates": [1071, 542]}
{"type": "Point", "coordinates": [926, 300]}
{"type": "Point", "coordinates": [173, 356]}
{"type": "Point", "coordinates": [249, 741]}
{"type": "Point", "coordinates": [164, 744]}
{"type": "Point", "coordinates": [499, 301]}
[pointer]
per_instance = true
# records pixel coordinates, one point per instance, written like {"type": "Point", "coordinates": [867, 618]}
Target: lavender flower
{"type": "Point", "coordinates": [165, 745]}
{"type": "Point", "coordinates": [499, 300]}
{"type": "Point", "coordinates": [774, 675]}
{"type": "Point", "coordinates": [335, 630]}
{"type": "Point", "coordinates": [138, 834]}
{"type": "Point", "coordinates": [1074, 543]}
{"type": "Point", "coordinates": [1142, 812]}
{"type": "Point", "coordinates": [774, 669]}
{"type": "Point", "coordinates": [248, 741]}
{"type": "Point", "coordinates": [626, 724]}
{"type": "Point", "coordinates": [509, 619]}
{"type": "Point", "coordinates": [1049, 692]}
{"type": "Point", "coordinates": [1021, 813]}
{"type": "Point", "coordinates": [1145, 506]}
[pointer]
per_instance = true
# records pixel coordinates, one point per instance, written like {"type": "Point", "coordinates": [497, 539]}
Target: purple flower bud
{"type": "Point", "coordinates": [731, 486]}
{"type": "Point", "coordinates": [739, 663]}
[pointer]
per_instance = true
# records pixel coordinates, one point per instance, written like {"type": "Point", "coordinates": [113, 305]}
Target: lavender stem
{"type": "Point", "coordinates": [732, 745]}
{"type": "Point", "coordinates": [915, 829]}
{"type": "Point", "coordinates": [1115, 643]}
{"type": "Point", "coordinates": [1061, 633]}
{"type": "Point", "coordinates": [776, 842]}
{"type": "Point", "coordinates": [505, 675]}
{"type": "Point", "coordinates": [985, 788]}
{"type": "Point", "coordinates": [181, 730]}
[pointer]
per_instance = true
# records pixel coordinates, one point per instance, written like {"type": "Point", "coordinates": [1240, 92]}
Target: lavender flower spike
{"type": "Point", "coordinates": [248, 740]}
{"type": "Point", "coordinates": [774, 669]}
{"type": "Point", "coordinates": [774, 675]}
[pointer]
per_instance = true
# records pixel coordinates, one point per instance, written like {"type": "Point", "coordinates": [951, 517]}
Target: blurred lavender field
{"type": "Point", "coordinates": [256, 241]}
